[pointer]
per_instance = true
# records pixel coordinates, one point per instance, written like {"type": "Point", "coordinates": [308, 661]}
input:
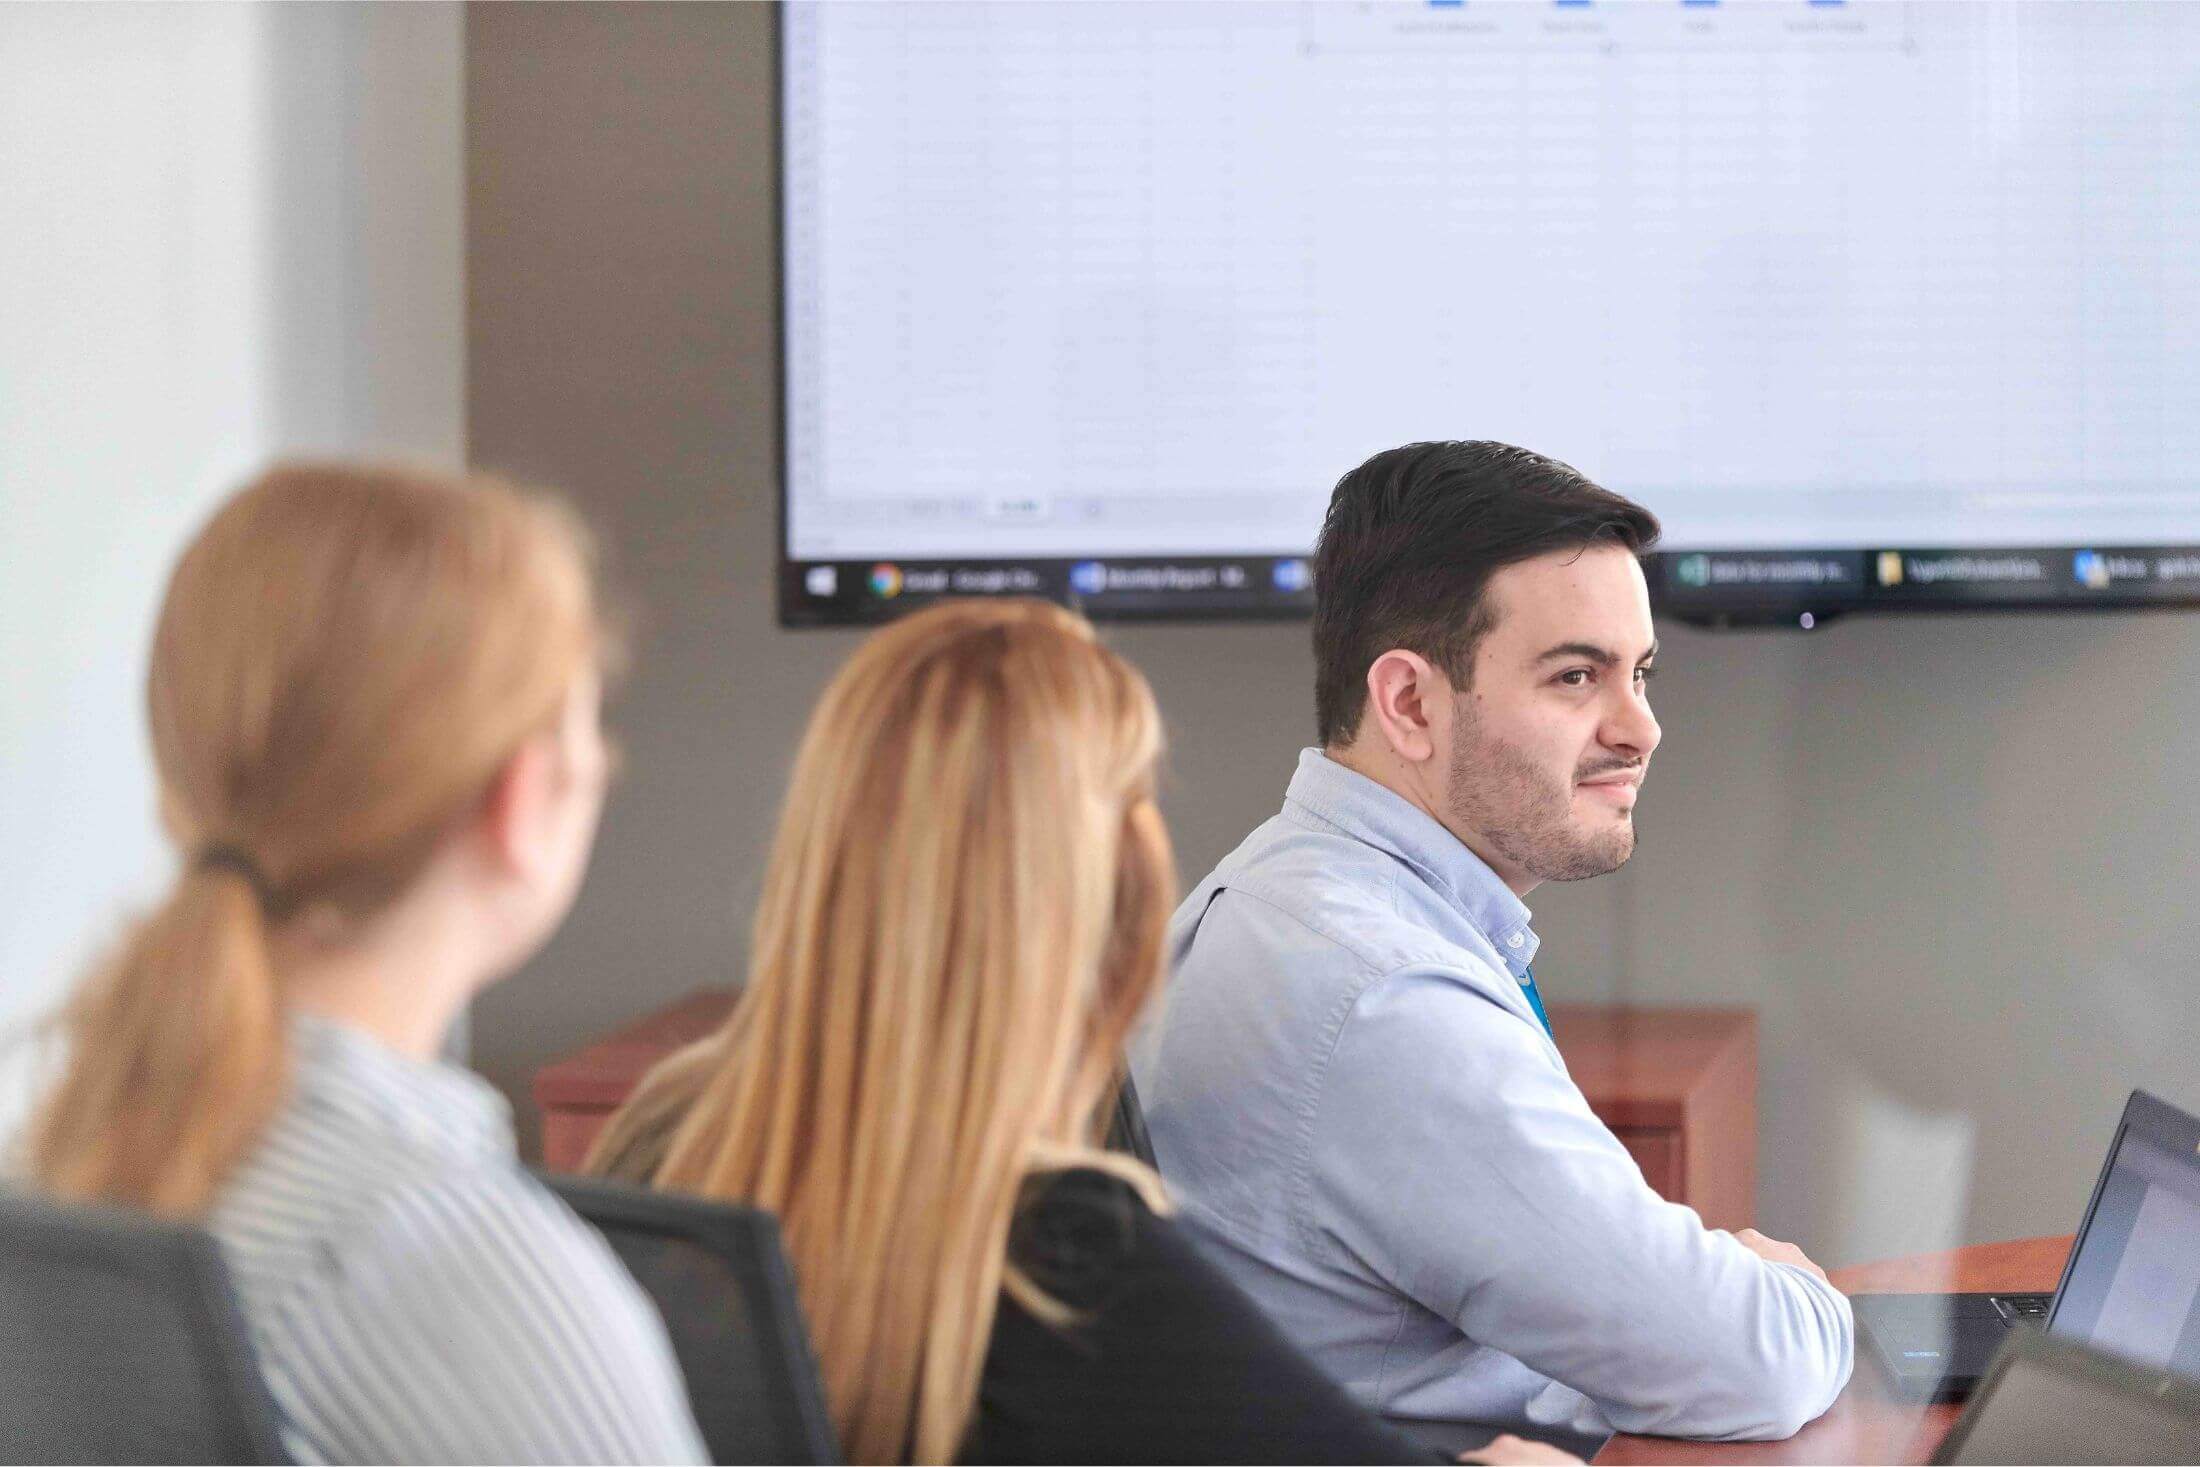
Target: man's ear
{"type": "Point", "coordinates": [516, 808]}
{"type": "Point", "coordinates": [1402, 689]}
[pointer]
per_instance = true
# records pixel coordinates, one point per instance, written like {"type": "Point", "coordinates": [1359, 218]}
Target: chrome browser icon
{"type": "Point", "coordinates": [885, 580]}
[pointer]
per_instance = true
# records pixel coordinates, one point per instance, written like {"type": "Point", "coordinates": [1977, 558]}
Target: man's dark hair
{"type": "Point", "coordinates": [1410, 542]}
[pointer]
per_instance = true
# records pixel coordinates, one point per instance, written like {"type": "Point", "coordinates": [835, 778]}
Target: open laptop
{"type": "Point", "coordinates": [2131, 1285]}
{"type": "Point", "coordinates": [2053, 1400]}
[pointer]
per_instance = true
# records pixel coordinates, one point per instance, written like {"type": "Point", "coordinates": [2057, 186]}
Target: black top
{"type": "Point", "coordinates": [1168, 1361]}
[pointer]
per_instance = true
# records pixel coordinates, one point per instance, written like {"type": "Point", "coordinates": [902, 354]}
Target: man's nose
{"type": "Point", "coordinates": [1633, 728]}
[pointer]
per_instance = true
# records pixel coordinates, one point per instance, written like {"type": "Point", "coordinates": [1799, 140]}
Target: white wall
{"type": "Point", "coordinates": [226, 232]}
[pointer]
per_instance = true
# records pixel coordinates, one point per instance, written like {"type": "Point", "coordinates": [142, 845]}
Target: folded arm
{"type": "Point", "coordinates": [1454, 1158]}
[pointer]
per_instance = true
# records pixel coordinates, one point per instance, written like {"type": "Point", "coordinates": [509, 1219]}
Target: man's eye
{"type": "Point", "coordinates": [1644, 674]}
{"type": "Point", "coordinates": [1575, 677]}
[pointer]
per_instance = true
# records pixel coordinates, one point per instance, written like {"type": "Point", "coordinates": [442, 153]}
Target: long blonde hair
{"type": "Point", "coordinates": [344, 658]}
{"type": "Point", "coordinates": [962, 918]}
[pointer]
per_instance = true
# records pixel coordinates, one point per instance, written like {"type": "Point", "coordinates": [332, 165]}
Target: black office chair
{"type": "Point", "coordinates": [720, 1279]}
{"type": "Point", "coordinates": [1127, 1127]}
{"type": "Point", "coordinates": [121, 1342]}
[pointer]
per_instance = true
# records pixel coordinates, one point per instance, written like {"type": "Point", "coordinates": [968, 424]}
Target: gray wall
{"type": "Point", "coordinates": [1946, 858]}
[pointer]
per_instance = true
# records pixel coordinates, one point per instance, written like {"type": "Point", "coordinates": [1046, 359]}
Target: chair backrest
{"type": "Point", "coordinates": [121, 1342]}
{"type": "Point", "coordinates": [1127, 1128]}
{"type": "Point", "coordinates": [720, 1279]}
{"type": "Point", "coordinates": [2051, 1399]}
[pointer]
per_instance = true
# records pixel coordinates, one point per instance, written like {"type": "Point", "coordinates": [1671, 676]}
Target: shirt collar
{"type": "Point", "coordinates": [1383, 818]}
{"type": "Point", "coordinates": [434, 1106]}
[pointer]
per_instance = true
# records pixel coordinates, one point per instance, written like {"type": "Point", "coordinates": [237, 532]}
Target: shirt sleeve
{"type": "Point", "coordinates": [478, 1320]}
{"type": "Point", "coordinates": [1455, 1159]}
{"type": "Point", "coordinates": [1165, 1360]}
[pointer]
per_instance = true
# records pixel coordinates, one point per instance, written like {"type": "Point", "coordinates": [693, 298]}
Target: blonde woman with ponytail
{"type": "Point", "coordinates": [374, 703]}
{"type": "Point", "coordinates": [961, 920]}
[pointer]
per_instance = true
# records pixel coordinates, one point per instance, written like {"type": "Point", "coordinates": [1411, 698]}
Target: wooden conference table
{"type": "Point", "coordinates": [1870, 1423]}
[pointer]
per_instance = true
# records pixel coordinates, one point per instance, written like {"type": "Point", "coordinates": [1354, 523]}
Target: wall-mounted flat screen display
{"type": "Point", "coordinates": [1876, 304]}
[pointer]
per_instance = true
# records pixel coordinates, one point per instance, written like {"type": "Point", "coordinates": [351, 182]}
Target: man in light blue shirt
{"type": "Point", "coordinates": [1352, 1087]}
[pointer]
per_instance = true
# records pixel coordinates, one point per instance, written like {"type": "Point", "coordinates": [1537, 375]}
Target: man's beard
{"type": "Point", "coordinates": [1503, 796]}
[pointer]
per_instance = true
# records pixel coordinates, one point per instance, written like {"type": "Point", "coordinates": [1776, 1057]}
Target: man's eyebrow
{"type": "Point", "coordinates": [1602, 656]}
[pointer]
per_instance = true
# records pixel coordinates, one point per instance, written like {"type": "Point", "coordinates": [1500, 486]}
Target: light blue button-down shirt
{"type": "Point", "coordinates": [1354, 1103]}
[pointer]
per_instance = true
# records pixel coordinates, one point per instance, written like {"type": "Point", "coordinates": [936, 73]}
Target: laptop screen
{"type": "Point", "coordinates": [2134, 1287]}
{"type": "Point", "coordinates": [2050, 1400]}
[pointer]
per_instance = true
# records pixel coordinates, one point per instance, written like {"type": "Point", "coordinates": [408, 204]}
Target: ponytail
{"type": "Point", "coordinates": [344, 658]}
{"type": "Point", "coordinates": [175, 1054]}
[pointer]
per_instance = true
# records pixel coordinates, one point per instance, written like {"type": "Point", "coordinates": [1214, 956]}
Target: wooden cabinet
{"type": "Point", "coordinates": [1678, 1086]}
{"type": "Point", "coordinates": [577, 1094]}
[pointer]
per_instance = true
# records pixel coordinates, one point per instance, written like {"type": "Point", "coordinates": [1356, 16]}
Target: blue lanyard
{"type": "Point", "coordinates": [1535, 1001]}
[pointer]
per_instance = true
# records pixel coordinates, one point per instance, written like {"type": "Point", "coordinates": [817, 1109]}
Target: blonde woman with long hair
{"type": "Point", "coordinates": [961, 920]}
{"type": "Point", "coordinates": [374, 703]}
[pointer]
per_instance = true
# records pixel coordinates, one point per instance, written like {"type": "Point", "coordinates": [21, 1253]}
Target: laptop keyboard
{"type": "Point", "coordinates": [2024, 1308]}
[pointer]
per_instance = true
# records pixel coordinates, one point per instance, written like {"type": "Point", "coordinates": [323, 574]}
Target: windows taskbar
{"type": "Point", "coordinates": [1714, 585]}
{"type": "Point", "coordinates": [1708, 582]}
{"type": "Point", "coordinates": [838, 592]}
